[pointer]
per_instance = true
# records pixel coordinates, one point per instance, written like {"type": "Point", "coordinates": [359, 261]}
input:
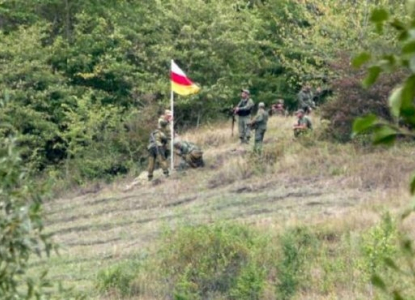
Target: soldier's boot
{"type": "Point", "coordinates": [166, 173]}
{"type": "Point", "coordinates": [150, 177]}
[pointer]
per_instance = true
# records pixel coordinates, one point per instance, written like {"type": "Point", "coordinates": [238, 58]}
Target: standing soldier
{"type": "Point", "coordinates": [259, 124]}
{"type": "Point", "coordinates": [243, 110]}
{"type": "Point", "coordinates": [303, 125]}
{"type": "Point", "coordinates": [305, 99]}
{"type": "Point", "coordinates": [156, 152]}
{"type": "Point", "coordinates": [164, 124]}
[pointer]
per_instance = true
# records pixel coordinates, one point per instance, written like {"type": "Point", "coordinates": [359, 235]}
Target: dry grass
{"type": "Point", "coordinates": [297, 182]}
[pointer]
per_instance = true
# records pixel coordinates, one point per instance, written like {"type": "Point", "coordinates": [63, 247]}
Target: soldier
{"type": "Point", "coordinates": [164, 124]}
{"type": "Point", "coordinates": [303, 125]}
{"type": "Point", "coordinates": [243, 110]}
{"type": "Point", "coordinates": [278, 108]}
{"type": "Point", "coordinates": [156, 149]}
{"type": "Point", "coordinates": [259, 124]}
{"type": "Point", "coordinates": [305, 99]}
{"type": "Point", "coordinates": [191, 155]}
{"type": "Point", "coordinates": [165, 120]}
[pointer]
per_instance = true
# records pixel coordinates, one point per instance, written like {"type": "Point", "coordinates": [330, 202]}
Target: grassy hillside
{"type": "Point", "coordinates": [338, 192]}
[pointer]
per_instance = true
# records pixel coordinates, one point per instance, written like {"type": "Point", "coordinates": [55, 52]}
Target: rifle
{"type": "Point", "coordinates": [230, 113]}
{"type": "Point", "coordinates": [233, 123]}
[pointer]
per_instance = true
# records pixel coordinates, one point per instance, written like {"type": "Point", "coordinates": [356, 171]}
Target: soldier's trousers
{"type": "Point", "coordinates": [156, 154]}
{"type": "Point", "coordinates": [259, 138]}
{"type": "Point", "coordinates": [244, 130]}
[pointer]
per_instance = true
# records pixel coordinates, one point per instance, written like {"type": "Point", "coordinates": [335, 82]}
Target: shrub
{"type": "Point", "coordinates": [295, 244]}
{"type": "Point", "coordinates": [222, 259]}
{"type": "Point", "coordinates": [118, 278]}
{"type": "Point", "coordinates": [378, 244]}
{"type": "Point", "coordinates": [352, 100]}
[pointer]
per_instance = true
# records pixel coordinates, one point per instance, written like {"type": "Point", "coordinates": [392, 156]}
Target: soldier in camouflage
{"type": "Point", "coordinates": [164, 124]}
{"type": "Point", "coordinates": [191, 155]}
{"type": "Point", "coordinates": [303, 125]}
{"type": "Point", "coordinates": [156, 149]}
{"type": "Point", "coordinates": [259, 124]}
{"type": "Point", "coordinates": [305, 99]}
{"type": "Point", "coordinates": [243, 110]}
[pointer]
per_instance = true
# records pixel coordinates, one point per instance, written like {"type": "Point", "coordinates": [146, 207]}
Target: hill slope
{"type": "Point", "coordinates": [295, 182]}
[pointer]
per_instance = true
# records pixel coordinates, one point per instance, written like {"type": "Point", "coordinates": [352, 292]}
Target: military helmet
{"type": "Point", "coordinates": [261, 104]}
{"type": "Point", "coordinates": [245, 91]}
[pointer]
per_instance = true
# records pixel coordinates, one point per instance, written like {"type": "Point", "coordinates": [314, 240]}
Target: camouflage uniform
{"type": "Point", "coordinates": [305, 100]}
{"type": "Point", "coordinates": [244, 111]}
{"type": "Point", "coordinates": [156, 152]}
{"type": "Point", "coordinates": [304, 120]}
{"type": "Point", "coordinates": [165, 126]}
{"type": "Point", "coordinates": [191, 155]}
{"type": "Point", "coordinates": [259, 124]}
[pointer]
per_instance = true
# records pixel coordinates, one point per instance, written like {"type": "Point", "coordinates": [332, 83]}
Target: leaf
{"type": "Point", "coordinates": [373, 75]}
{"type": "Point", "coordinates": [412, 184]}
{"type": "Point", "coordinates": [407, 110]}
{"type": "Point", "coordinates": [360, 59]}
{"type": "Point", "coordinates": [409, 47]}
{"type": "Point", "coordinates": [398, 25]}
{"type": "Point", "coordinates": [379, 15]}
{"type": "Point", "coordinates": [384, 135]}
{"type": "Point", "coordinates": [362, 124]}
{"type": "Point", "coordinates": [395, 100]}
{"type": "Point", "coordinates": [378, 282]}
{"type": "Point", "coordinates": [403, 36]}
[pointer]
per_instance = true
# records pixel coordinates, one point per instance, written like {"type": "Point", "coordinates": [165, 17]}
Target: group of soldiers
{"type": "Point", "coordinates": [192, 155]}
{"type": "Point", "coordinates": [259, 122]}
{"type": "Point", "coordinates": [158, 148]}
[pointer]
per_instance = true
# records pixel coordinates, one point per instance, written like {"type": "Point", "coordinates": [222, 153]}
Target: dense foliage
{"type": "Point", "coordinates": [21, 228]}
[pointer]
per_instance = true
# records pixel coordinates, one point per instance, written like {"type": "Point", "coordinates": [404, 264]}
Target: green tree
{"type": "Point", "coordinates": [402, 108]}
{"type": "Point", "coordinates": [21, 227]}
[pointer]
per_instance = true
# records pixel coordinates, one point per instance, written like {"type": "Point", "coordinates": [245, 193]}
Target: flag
{"type": "Point", "coordinates": [180, 84]}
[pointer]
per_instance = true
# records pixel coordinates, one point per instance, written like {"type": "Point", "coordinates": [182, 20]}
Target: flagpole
{"type": "Point", "coordinates": [172, 127]}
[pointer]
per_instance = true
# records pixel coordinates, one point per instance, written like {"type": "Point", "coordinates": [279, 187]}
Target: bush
{"type": "Point", "coordinates": [294, 247]}
{"type": "Point", "coordinates": [225, 260]}
{"type": "Point", "coordinates": [352, 100]}
{"type": "Point", "coordinates": [118, 278]}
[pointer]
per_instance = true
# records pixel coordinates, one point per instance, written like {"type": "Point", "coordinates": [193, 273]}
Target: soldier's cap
{"type": "Point", "coordinates": [300, 111]}
{"type": "Point", "coordinates": [168, 112]}
{"type": "Point", "coordinates": [245, 91]}
{"type": "Point", "coordinates": [261, 104]}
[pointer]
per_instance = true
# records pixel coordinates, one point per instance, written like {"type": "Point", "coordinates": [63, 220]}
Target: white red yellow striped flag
{"type": "Point", "coordinates": [180, 83]}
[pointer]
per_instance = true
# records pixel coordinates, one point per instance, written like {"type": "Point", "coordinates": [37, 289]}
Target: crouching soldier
{"type": "Point", "coordinates": [259, 124]}
{"type": "Point", "coordinates": [191, 155]}
{"type": "Point", "coordinates": [303, 125]}
{"type": "Point", "coordinates": [156, 149]}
